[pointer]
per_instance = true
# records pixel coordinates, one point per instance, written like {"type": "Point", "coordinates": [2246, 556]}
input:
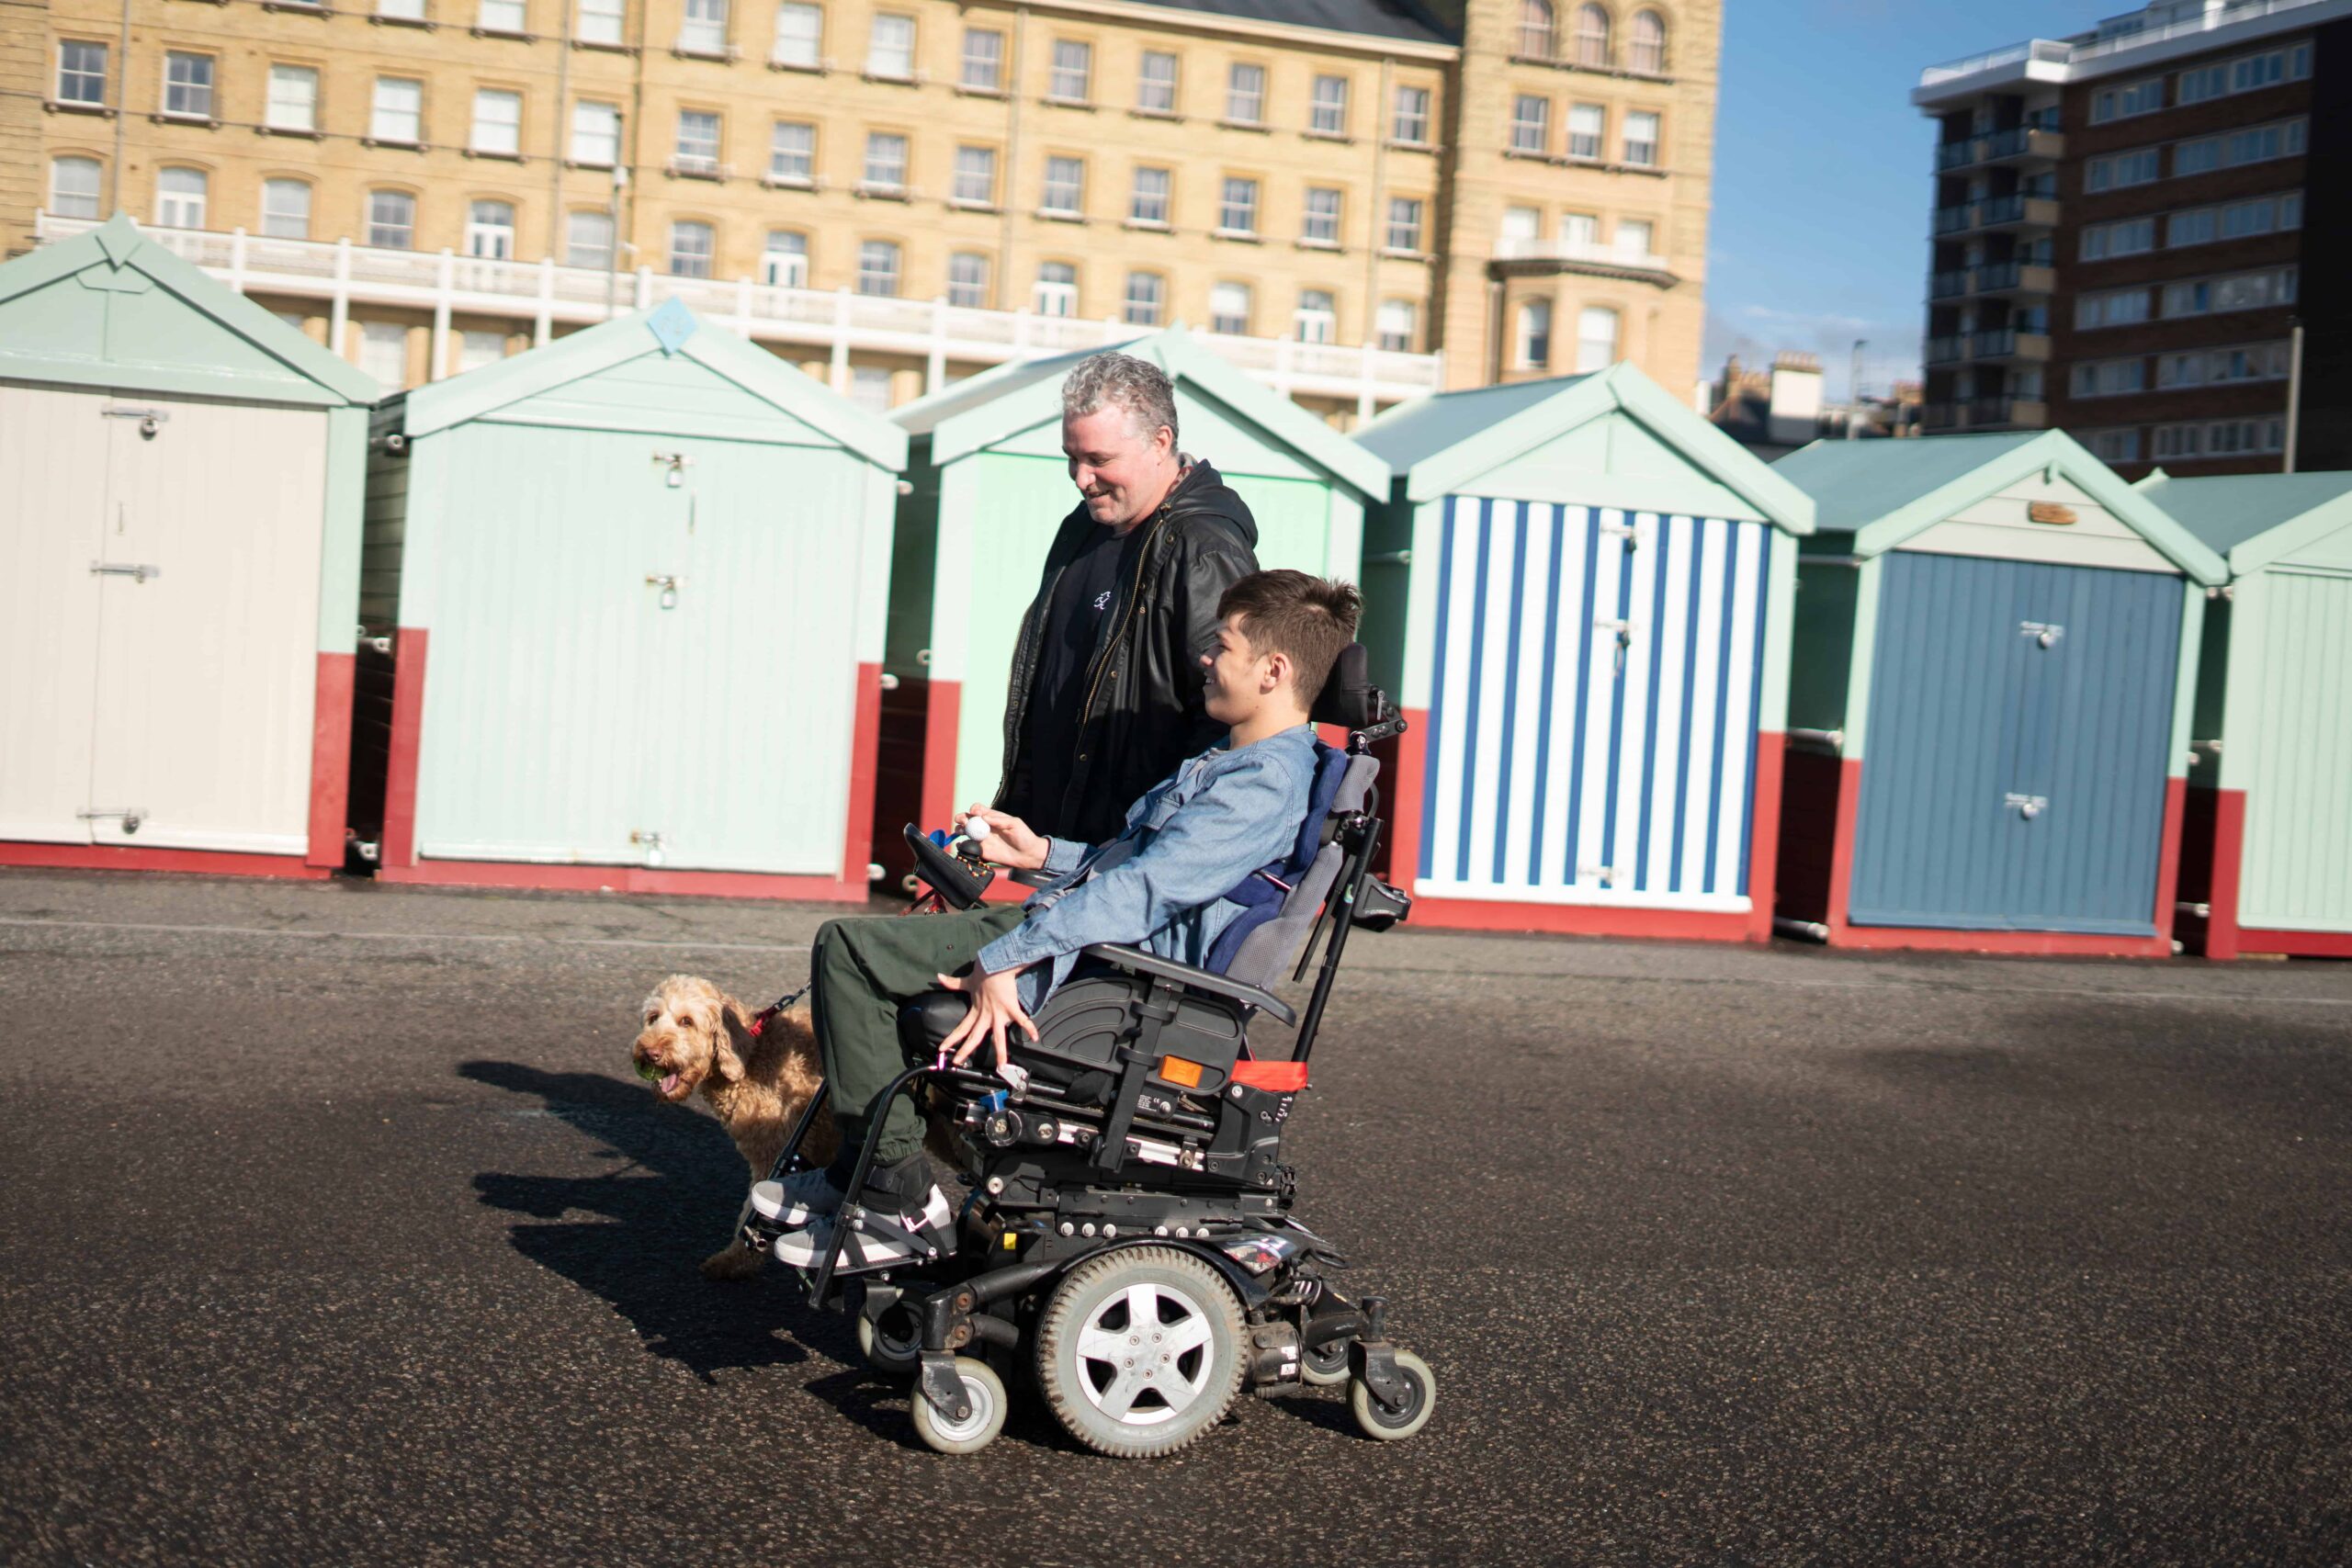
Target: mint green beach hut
{"type": "Point", "coordinates": [990, 487]}
{"type": "Point", "coordinates": [627, 591]}
{"type": "Point", "coordinates": [2265, 859]}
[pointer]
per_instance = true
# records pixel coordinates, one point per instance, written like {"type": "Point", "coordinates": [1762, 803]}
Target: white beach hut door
{"type": "Point", "coordinates": [207, 573]}
{"type": "Point", "coordinates": [52, 496]}
{"type": "Point", "coordinates": [749, 662]}
{"type": "Point", "coordinates": [1592, 727]}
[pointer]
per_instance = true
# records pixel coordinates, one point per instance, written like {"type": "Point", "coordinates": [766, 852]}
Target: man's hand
{"type": "Point", "coordinates": [1011, 841]}
{"type": "Point", "coordinates": [996, 1005]}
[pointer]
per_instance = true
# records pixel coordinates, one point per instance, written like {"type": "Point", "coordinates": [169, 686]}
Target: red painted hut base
{"type": "Point", "coordinates": [625, 879]}
{"type": "Point", "coordinates": [112, 857]}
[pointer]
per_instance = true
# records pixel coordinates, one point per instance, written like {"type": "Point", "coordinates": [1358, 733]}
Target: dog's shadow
{"type": "Point", "coordinates": [674, 1184]}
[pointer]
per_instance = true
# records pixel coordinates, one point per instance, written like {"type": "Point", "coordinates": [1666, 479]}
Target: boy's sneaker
{"type": "Point", "coordinates": [803, 1196]}
{"type": "Point", "coordinates": [876, 1245]}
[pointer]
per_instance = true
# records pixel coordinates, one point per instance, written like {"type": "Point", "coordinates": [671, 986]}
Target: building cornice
{"type": "Point", "coordinates": [1137, 14]}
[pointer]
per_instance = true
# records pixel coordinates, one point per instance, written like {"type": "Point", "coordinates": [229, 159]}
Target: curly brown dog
{"type": "Point", "coordinates": [698, 1037]}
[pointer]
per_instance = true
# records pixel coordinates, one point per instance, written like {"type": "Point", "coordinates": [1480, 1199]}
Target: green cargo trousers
{"type": "Point", "coordinates": [861, 972]}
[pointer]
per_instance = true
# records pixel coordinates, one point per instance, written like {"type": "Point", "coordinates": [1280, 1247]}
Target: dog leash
{"type": "Point", "coordinates": [760, 1019]}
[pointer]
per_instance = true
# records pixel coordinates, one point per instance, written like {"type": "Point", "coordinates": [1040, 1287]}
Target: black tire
{"type": "Point", "coordinates": [986, 1390]}
{"type": "Point", "coordinates": [1373, 1420]}
{"type": "Point", "coordinates": [1135, 1388]}
{"type": "Point", "coordinates": [894, 1346]}
{"type": "Point", "coordinates": [1324, 1367]}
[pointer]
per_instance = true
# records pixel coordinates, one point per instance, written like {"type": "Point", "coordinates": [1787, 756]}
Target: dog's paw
{"type": "Point", "coordinates": [735, 1262]}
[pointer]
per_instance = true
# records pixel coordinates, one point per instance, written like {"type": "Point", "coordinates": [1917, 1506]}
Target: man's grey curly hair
{"type": "Point", "coordinates": [1121, 381]}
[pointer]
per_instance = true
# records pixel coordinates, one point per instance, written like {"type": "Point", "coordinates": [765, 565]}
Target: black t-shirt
{"type": "Point", "coordinates": [1084, 593]}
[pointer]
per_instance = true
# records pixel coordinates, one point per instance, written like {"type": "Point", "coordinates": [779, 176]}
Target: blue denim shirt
{"type": "Point", "coordinates": [1161, 885]}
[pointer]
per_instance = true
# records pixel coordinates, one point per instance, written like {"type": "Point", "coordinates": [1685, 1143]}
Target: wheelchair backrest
{"type": "Point", "coordinates": [1266, 944]}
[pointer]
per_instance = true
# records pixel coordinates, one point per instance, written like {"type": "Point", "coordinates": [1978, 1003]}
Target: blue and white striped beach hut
{"type": "Point", "coordinates": [1581, 590]}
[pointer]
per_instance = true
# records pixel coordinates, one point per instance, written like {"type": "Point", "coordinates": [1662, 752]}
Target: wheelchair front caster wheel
{"type": "Point", "coordinates": [986, 1390]}
{"type": "Point", "coordinates": [1326, 1367]}
{"type": "Point", "coordinates": [1377, 1420]}
{"type": "Point", "coordinates": [894, 1346]}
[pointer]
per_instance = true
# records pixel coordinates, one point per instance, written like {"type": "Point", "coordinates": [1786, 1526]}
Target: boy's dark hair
{"type": "Point", "coordinates": [1310, 618]}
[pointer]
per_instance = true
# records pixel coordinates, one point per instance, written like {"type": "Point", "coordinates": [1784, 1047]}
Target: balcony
{"type": "Point", "coordinates": [1950, 284]}
{"type": "Point", "coordinates": [838, 322]}
{"type": "Point", "coordinates": [1581, 255]}
{"type": "Point", "coordinates": [2006, 344]}
{"type": "Point", "coordinates": [2023, 145]}
{"type": "Point", "coordinates": [1986, 414]}
{"type": "Point", "coordinates": [2013, 278]}
{"type": "Point", "coordinates": [2009, 213]}
{"type": "Point", "coordinates": [1948, 350]}
{"type": "Point", "coordinates": [1952, 219]}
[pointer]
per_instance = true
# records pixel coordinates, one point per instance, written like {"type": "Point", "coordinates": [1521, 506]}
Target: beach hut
{"type": "Point", "coordinates": [1581, 588]}
{"type": "Point", "coordinates": [990, 487]}
{"type": "Point", "coordinates": [629, 593]}
{"type": "Point", "coordinates": [179, 556]}
{"type": "Point", "coordinates": [2265, 863]}
{"type": "Point", "coordinates": [1996, 641]}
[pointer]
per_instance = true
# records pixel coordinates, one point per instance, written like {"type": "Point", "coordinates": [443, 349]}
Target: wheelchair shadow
{"type": "Point", "coordinates": [674, 1187]}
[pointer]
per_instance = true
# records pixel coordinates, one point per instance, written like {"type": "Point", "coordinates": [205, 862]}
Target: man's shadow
{"type": "Point", "coordinates": [636, 1235]}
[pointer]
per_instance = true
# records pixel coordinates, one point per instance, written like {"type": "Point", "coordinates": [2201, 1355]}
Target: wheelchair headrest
{"type": "Point", "coordinates": [1349, 698]}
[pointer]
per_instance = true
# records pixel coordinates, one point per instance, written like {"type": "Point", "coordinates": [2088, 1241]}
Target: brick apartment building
{"type": "Point", "coordinates": [2132, 240]}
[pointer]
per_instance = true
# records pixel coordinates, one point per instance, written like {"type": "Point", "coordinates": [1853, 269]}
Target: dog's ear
{"type": "Point", "coordinates": [734, 1044]}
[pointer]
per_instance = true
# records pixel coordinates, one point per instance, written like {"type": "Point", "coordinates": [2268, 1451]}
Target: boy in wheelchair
{"type": "Point", "coordinates": [1167, 885]}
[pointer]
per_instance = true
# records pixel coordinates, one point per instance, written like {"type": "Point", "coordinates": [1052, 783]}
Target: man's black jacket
{"type": "Point", "coordinates": [1142, 712]}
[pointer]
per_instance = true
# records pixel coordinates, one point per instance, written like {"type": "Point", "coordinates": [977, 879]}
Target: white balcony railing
{"type": "Point", "coordinates": [838, 322]}
{"type": "Point", "coordinates": [2144, 29]}
{"type": "Point", "coordinates": [1525, 247]}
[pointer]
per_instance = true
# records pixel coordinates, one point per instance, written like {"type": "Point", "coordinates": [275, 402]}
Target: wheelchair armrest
{"type": "Point", "coordinates": [1029, 878]}
{"type": "Point", "coordinates": [1135, 961]}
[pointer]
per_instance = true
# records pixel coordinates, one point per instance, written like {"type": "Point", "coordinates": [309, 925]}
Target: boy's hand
{"type": "Point", "coordinates": [1011, 841]}
{"type": "Point", "coordinates": [996, 1005]}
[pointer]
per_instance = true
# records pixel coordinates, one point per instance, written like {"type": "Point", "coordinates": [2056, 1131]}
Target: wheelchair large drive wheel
{"type": "Point", "coordinates": [1140, 1351]}
{"type": "Point", "coordinates": [893, 1346]}
{"type": "Point", "coordinates": [986, 1390]}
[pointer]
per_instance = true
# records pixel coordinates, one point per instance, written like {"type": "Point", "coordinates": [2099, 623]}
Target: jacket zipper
{"type": "Point", "coordinates": [1143, 558]}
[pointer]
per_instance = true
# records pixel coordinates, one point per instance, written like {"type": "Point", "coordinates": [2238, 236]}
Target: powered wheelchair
{"type": "Point", "coordinates": [1128, 1233]}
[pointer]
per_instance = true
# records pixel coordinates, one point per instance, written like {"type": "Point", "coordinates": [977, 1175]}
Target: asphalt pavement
{"type": "Point", "coordinates": [334, 1228]}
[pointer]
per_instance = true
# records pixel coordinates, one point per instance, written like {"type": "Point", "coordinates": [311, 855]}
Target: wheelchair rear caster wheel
{"type": "Point", "coordinates": [894, 1346]}
{"type": "Point", "coordinates": [1326, 1367]}
{"type": "Point", "coordinates": [986, 1390]}
{"type": "Point", "coordinates": [1139, 1351]}
{"type": "Point", "coordinates": [1375, 1420]}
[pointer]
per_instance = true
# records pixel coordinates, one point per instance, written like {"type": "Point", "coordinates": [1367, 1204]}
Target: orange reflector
{"type": "Point", "coordinates": [1175, 1069]}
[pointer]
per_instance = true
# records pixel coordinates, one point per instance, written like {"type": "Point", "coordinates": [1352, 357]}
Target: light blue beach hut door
{"type": "Point", "coordinates": [1592, 731]}
{"type": "Point", "coordinates": [2019, 719]}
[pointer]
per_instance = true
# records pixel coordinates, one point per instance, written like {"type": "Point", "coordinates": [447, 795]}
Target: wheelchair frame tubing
{"type": "Point", "coordinates": [1357, 871]}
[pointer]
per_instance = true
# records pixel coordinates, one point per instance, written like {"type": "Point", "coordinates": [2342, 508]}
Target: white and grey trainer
{"type": "Point", "coordinates": [878, 1245]}
{"type": "Point", "coordinates": [803, 1196]}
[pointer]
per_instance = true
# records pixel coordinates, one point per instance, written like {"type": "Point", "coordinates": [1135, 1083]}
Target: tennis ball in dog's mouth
{"type": "Point", "coordinates": [647, 1071]}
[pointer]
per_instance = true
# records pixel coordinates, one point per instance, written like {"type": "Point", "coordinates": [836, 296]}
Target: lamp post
{"type": "Point", "coordinates": [1854, 393]}
{"type": "Point", "coordinates": [620, 183]}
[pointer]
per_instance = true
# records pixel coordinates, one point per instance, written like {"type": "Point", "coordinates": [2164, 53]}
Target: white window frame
{"type": "Point", "coordinates": [981, 70]}
{"type": "Point", "coordinates": [1069, 78]}
{"type": "Point", "coordinates": [1405, 229]}
{"type": "Point", "coordinates": [1532, 336]}
{"type": "Point", "coordinates": [1594, 352]}
{"type": "Point", "coordinates": [1225, 319]}
{"type": "Point", "coordinates": [1237, 197]}
{"type": "Point", "coordinates": [890, 47]}
{"type": "Point", "coordinates": [1054, 293]}
{"type": "Point", "coordinates": [871, 272]}
{"type": "Point", "coordinates": [1245, 93]}
{"type": "Point", "coordinates": [596, 134]}
{"type": "Point", "coordinates": [1646, 55]}
{"type": "Point", "coordinates": [79, 75]}
{"type": "Point", "coordinates": [488, 238]}
{"type": "Point", "coordinates": [191, 81]}
{"type": "Point", "coordinates": [595, 22]}
{"type": "Point", "coordinates": [1409, 117]}
{"type": "Point", "coordinates": [1156, 93]}
{"type": "Point", "coordinates": [692, 152]}
{"type": "Point", "coordinates": [800, 43]}
{"type": "Point", "coordinates": [884, 168]}
{"type": "Point", "coordinates": [388, 120]}
{"type": "Point", "coordinates": [1063, 194]}
{"type": "Point", "coordinates": [1152, 196]}
{"type": "Point", "coordinates": [593, 256]}
{"type": "Point", "coordinates": [1538, 29]}
{"type": "Point", "coordinates": [702, 28]}
{"type": "Point", "coordinates": [1592, 35]}
{"type": "Point", "coordinates": [293, 98]}
{"type": "Point", "coordinates": [685, 234]}
{"type": "Point", "coordinates": [379, 228]}
{"type": "Point", "coordinates": [383, 354]}
{"type": "Point", "coordinates": [975, 179]}
{"type": "Point", "coordinates": [1327, 110]}
{"type": "Point", "coordinates": [1316, 319]}
{"type": "Point", "coordinates": [186, 206]}
{"type": "Point", "coordinates": [1319, 219]}
{"type": "Point", "coordinates": [497, 127]}
{"type": "Point", "coordinates": [1396, 325]}
{"type": "Point", "coordinates": [1145, 302]}
{"type": "Point", "coordinates": [783, 259]}
{"type": "Point", "coordinates": [508, 17]}
{"type": "Point", "coordinates": [75, 202]}
{"type": "Point", "coordinates": [1531, 123]}
{"type": "Point", "coordinates": [792, 143]}
{"type": "Point", "coordinates": [968, 280]}
{"type": "Point", "coordinates": [1644, 152]}
{"type": "Point", "coordinates": [1588, 131]}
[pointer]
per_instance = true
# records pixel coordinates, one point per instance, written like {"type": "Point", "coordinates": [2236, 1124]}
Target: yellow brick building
{"type": "Point", "coordinates": [1354, 199]}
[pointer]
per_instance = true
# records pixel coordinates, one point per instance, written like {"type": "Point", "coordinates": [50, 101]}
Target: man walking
{"type": "Point", "coordinates": [1105, 695]}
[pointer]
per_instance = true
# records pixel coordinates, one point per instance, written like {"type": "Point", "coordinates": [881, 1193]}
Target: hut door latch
{"type": "Point", "coordinates": [2026, 805]}
{"type": "Point", "coordinates": [652, 842]}
{"type": "Point", "coordinates": [668, 586]}
{"type": "Point", "coordinates": [2045, 633]}
{"type": "Point", "coordinates": [150, 420]}
{"type": "Point", "coordinates": [136, 573]}
{"type": "Point", "coordinates": [678, 463]}
{"type": "Point", "coordinates": [1624, 633]}
{"type": "Point", "coordinates": [130, 818]}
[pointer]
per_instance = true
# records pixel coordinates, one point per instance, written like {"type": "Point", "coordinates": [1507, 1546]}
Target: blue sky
{"type": "Point", "coordinates": [1822, 172]}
